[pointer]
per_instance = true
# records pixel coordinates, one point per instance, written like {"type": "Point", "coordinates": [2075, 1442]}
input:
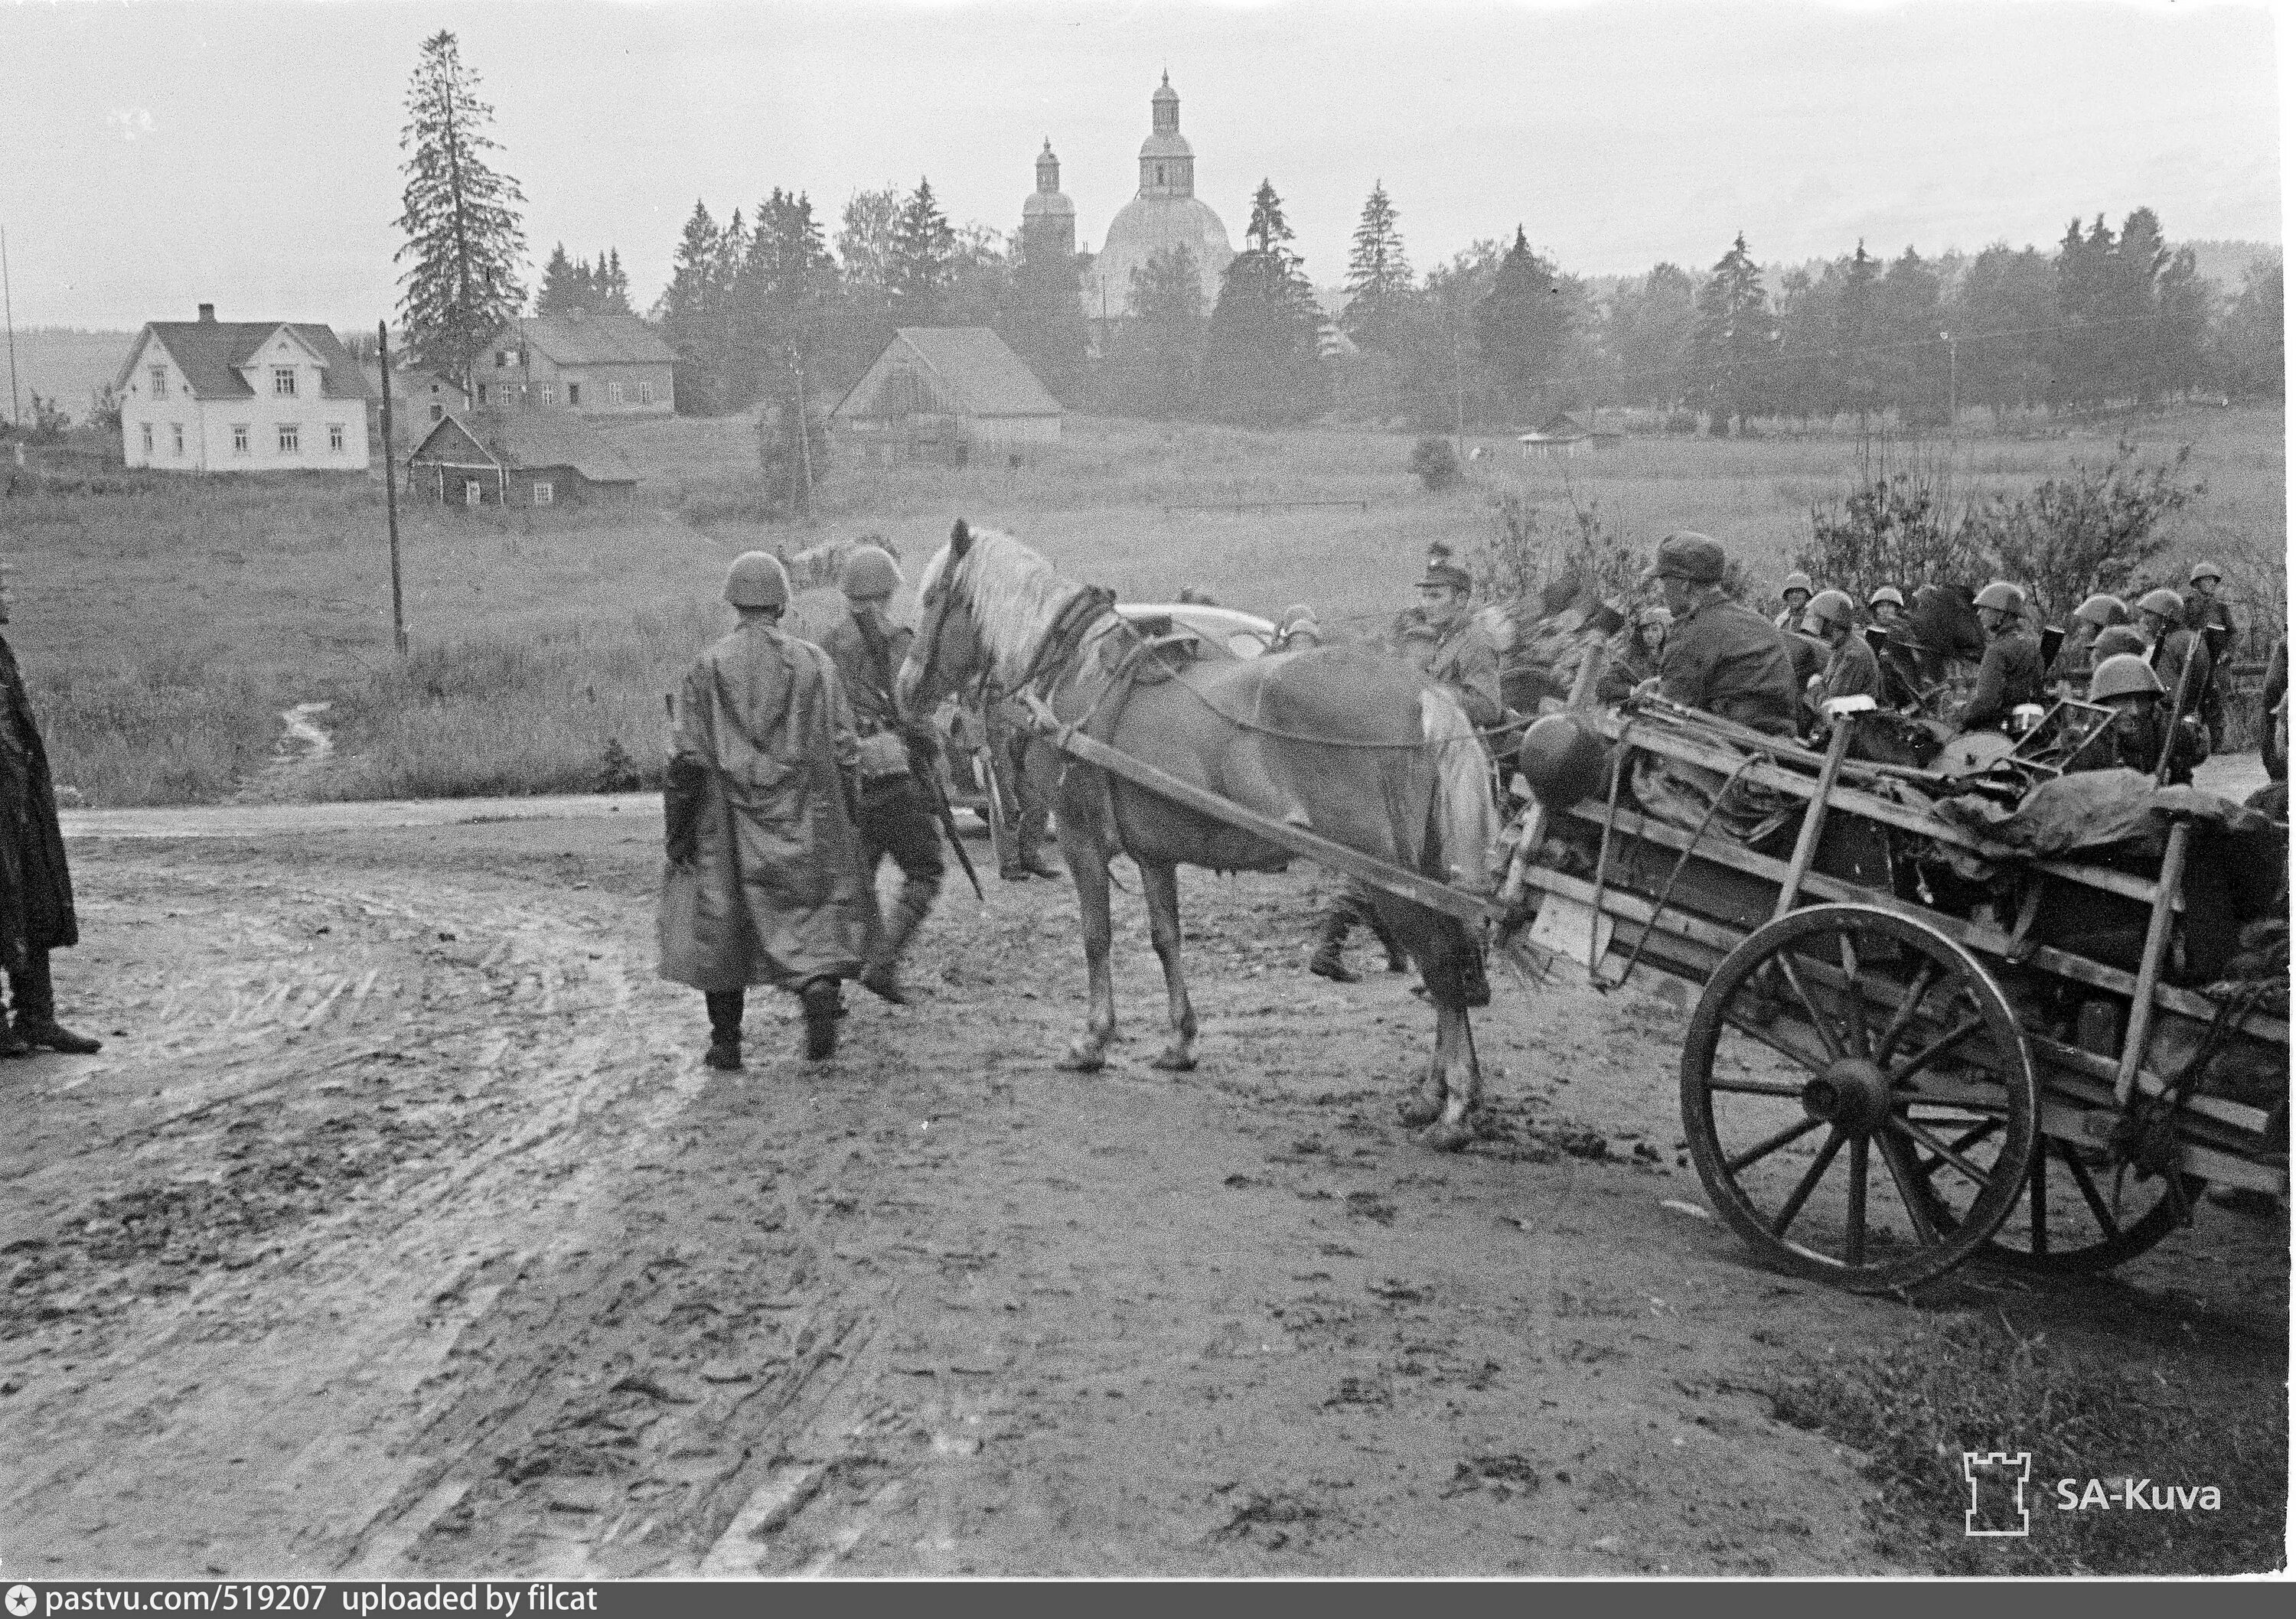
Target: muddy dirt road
{"type": "Point", "coordinates": [399, 1230]}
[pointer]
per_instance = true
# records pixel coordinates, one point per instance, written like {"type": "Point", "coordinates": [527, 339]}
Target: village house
{"type": "Point", "coordinates": [419, 396]}
{"type": "Point", "coordinates": [518, 458]}
{"type": "Point", "coordinates": [592, 364]}
{"type": "Point", "coordinates": [209, 396]}
{"type": "Point", "coordinates": [943, 394]}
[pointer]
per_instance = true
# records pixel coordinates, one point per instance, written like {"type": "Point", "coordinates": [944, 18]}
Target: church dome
{"type": "Point", "coordinates": [1164, 214]}
{"type": "Point", "coordinates": [1048, 200]}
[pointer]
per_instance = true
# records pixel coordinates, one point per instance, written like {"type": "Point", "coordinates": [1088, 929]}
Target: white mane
{"type": "Point", "coordinates": [1015, 594]}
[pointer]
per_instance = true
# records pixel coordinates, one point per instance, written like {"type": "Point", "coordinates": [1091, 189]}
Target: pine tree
{"type": "Point", "coordinates": [923, 254]}
{"type": "Point", "coordinates": [1263, 350]}
{"type": "Point", "coordinates": [1522, 329]}
{"type": "Point", "coordinates": [783, 291]}
{"type": "Point", "coordinates": [692, 311]}
{"type": "Point", "coordinates": [1156, 361]}
{"type": "Point", "coordinates": [1043, 320]}
{"type": "Point", "coordinates": [1379, 274]}
{"type": "Point", "coordinates": [564, 283]}
{"type": "Point", "coordinates": [1735, 338]}
{"type": "Point", "coordinates": [1649, 336]}
{"type": "Point", "coordinates": [610, 285]}
{"type": "Point", "coordinates": [459, 216]}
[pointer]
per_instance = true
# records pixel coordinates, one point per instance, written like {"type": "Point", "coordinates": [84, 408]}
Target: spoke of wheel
{"type": "Point", "coordinates": [1763, 1148]}
{"type": "Point", "coordinates": [1754, 1087]}
{"type": "Point", "coordinates": [1977, 1176]}
{"type": "Point", "coordinates": [1760, 1036]}
{"type": "Point", "coordinates": [2037, 1187]}
{"type": "Point", "coordinates": [1925, 979]}
{"type": "Point", "coordinates": [1859, 1035]}
{"type": "Point", "coordinates": [1938, 1047]}
{"type": "Point", "coordinates": [1808, 1184]}
{"type": "Point", "coordinates": [1858, 1146]}
{"type": "Point", "coordinates": [1968, 1139]}
{"type": "Point", "coordinates": [2092, 1197]}
{"type": "Point", "coordinates": [1913, 1187]}
{"type": "Point", "coordinates": [1824, 1027]}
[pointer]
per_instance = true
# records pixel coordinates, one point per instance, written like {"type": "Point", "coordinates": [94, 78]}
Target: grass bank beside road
{"type": "Point", "coordinates": [165, 622]}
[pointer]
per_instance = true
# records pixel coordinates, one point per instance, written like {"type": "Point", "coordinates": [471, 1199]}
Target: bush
{"type": "Point", "coordinates": [1434, 463]}
{"type": "Point", "coordinates": [2095, 530]}
{"type": "Point", "coordinates": [1898, 525]}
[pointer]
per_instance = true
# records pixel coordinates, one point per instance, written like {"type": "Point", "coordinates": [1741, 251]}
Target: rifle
{"type": "Point", "coordinates": [2176, 714]}
{"type": "Point", "coordinates": [947, 819]}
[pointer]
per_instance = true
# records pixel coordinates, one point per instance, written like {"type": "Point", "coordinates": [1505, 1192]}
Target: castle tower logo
{"type": "Point", "coordinates": [1997, 1493]}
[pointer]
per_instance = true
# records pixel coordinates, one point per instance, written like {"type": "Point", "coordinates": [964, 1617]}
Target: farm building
{"type": "Point", "coordinates": [518, 458]}
{"type": "Point", "coordinates": [209, 396]}
{"type": "Point", "coordinates": [1562, 435]}
{"type": "Point", "coordinates": [943, 393]}
{"type": "Point", "coordinates": [590, 365]}
{"type": "Point", "coordinates": [418, 396]}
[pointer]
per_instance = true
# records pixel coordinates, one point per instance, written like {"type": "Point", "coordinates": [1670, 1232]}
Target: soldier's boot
{"type": "Point", "coordinates": [882, 977]}
{"type": "Point", "coordinates": [824, 1006]}
{"type": "Point", "coordinates": [1331, 935]}
{"type": "Point", "coordinates": [35, 1022]}
{"type": "Point", "coordinates": [724, 1030]}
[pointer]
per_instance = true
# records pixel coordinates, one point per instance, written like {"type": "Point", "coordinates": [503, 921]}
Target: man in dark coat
{"type": "Point", "coordinates": [35, 896]}
{"type": "Point", "coordinates": [2206, 613]}
{"type": "Point", "coordinates": [1718, 656]}
{"type": "Point", "coordinates": [2010, 676]}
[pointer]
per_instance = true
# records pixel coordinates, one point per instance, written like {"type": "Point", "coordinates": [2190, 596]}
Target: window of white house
{"type": "Point", "coordinates": [573, 392]}
{"type": "Point", "coordinates": [178, 428]}
{"type": "Point", "coordinates": [438, 412]}
{"type": "Point", "coordinates": [549, 393]}
{"type": "Point", "coordinates": [614, 393]}
{"type": "Point", "coordinates": [147, 439]}
{"type": "Point", "coordinates": [545, 494]}
{"type": "Point", "coordinates": [335, 437]}
{"type": "Point", "coordinates": [502, 358]}
{"type": "Point", "coordinates": [291, 439]}
{"type": "Point", "coordinates": [482, 392]}
{"type": "Point", "coordinates": [645, 393]}
{"type": "Point", "coordinates": [159, 381]}
{"type": "Point", "coordinates": [239, 438]}
{"type": "Point", "coordinates": [282, 381]}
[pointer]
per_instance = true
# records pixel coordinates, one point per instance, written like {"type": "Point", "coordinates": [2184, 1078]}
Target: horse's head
{"type": "Point", "coordinates": [946, 654]}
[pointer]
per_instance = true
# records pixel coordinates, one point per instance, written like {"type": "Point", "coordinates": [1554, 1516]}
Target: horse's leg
{"type": "Point", "coordinates": [1463, 1081]}
{"type": "Point", "coordinates": [1161, 885]}
{"type": "Point", "coordinates": [1087, 865]}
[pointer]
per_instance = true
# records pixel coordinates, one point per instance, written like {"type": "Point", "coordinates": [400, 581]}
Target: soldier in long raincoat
{"type": "Point", "coordinates": [764, 884]}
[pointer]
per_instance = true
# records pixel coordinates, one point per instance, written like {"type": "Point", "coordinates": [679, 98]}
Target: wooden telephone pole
{"type": "Point", "coordinates": [391, 491]}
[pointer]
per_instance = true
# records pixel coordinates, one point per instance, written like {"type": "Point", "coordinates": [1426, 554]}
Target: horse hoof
{"type": "Point", "coordinates": [1448, 1137]}
{"type": "Point", "coordinates": [1083, 1058]}
{"type": "Point", "coordinates": [1174, 1062]}
{"type": "Point", "coordinates": [1418, 1112]}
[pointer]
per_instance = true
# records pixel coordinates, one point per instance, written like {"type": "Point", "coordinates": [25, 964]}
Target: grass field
{"type": "Point", "coordinates": [164, 627]}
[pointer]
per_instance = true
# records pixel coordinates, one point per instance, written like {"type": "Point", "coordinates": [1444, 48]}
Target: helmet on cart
{"type": "Point", "coordinates": [2123, 675]}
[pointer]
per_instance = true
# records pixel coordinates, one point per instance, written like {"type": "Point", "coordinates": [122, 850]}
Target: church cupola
{"type": "Point", "coordinates": [1168, 165]}
{"type": "Point", "coordinates": [1048, 218]}
{"type": "Point", "coordinates": [1049, 170]}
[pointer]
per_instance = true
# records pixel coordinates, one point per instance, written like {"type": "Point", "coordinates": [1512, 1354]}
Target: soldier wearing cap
{"type": "Point", "coordinates": [895, 812]}
{"type": "Point", "coordinates": [2205, 612]}
{"type": "Point", "coordinates": [1454, 649]}
{"type": "Point", "coordinates": [2010, 674]}
{"type": "Point", "coordinates": [766, 885]}
{"type": "Point", "coordinates": [2125, 684]}
{"type": "Point", "coordinates": [1718, 656]}
{"type": "Point", "coordinates": [1795, 594]}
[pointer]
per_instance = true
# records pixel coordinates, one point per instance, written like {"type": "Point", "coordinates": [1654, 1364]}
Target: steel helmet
{"type": "Point", "coordinates": [1653, 615]}
{"type": "Point", "coordinates": [1795, 581]}
{"type": "Point", "coordinates": [2102, 611]}
{"type": "Point", "coordinates": [1562, 760]}
{"type": "Point", "coordinates": [2164, 602]}
{"type": "Point", "coordinates": [2204, 571]}
{"type": "Point", "coordinates": [2123, 675]}
{"type": "Point", "coordinates": [869, 572]}
{"type": "Point", "coordinates": [1829, 608]}
{"type": "Point", "coordinates": [1886, 593]}
{"type": "Point", "coordinates": [757, 579]}
{"type": "Point", "coordinates": [2002, 597]}
{"type": "Point", "coordinates": [2116, 640]}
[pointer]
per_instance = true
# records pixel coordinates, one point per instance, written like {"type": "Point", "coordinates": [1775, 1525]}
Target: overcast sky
{"type": "Point", "coordinates": [156, 155]}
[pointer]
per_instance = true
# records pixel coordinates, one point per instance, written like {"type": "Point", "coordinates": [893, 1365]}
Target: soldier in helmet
{"type": "Point", "coordinates": [1718, 656]}
{"type": "Point", "coordinates": [2125, 684]}
{"type": "Point", "coordinates": [1636, 655]}
{"type": "Point", "coordinates": [2206, 613]}
{"type": "Point", "coordinates": [2115, 640]}
{"type": "Point", "coordinates": [1795, 594]}
{"type": "Point", "coordinates": [2010, 674]}
{"type": "Point", "coordinates": [895, 813]}
{"type": "Point", "coordinates": [1850, 668]}
{"type": "Point", "coordinates": [2178, 656]}
{"type": "Point", "coordinates": [2076, 658]}
{"type": "Point", "coordinates": [1888, 606]}
{"type": "Point", "coordinates": [754, 806]}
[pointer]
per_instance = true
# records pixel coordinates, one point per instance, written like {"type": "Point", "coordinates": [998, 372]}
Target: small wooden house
{"type": "Point", "coordinates": [1559, 438]}
{"type": "Point", "coordinates": [944, 394]}
{"type": "Point", "coordinates": [518, 458]}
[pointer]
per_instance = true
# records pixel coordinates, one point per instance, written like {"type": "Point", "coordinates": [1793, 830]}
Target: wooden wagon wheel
{"type": "Point", "coordinates": [1842, 1035]}
{"type": "Point", "coordinates": [2076, 1215]}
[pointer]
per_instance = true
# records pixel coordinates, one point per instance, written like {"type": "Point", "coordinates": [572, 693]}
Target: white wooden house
{"type": "Point", "coordinates": [209, 396]}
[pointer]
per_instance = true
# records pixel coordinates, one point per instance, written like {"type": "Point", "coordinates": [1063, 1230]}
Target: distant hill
{"type": "Point", "coordinates": [64, 364]}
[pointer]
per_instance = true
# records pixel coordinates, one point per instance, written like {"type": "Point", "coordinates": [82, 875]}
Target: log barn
{"type": "Point", "coordinates": [518, 458]}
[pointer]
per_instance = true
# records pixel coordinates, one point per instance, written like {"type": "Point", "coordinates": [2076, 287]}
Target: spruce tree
{"type": "Point", "coordinates": [610, 285]}
{"type": "Point", "coordinates": [1043, 320]}
{"type": "Point", "coordinates": [923, 254]}
{"type": "Point", "coordinates": [1734, 341]}
{"type": "Point", "coordinates": [1156, 359]}
{"type": "Point", "coordinates": [1263, 353]}
{"type": "Point", "coordinates": [1379, 275]}
{"type": "Point", "coordinates": [459, 216]}
{"type": "Point", "coordinates": [1524, 327]}
{"type": "Point", "coordinates": [693, 314]}
{"type": "Point", "coordinates": [563, 283]}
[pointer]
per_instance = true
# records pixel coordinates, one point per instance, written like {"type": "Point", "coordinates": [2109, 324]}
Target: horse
{"type": "Point", "coordinates": [1347, 744]}
{"type": "Point", "coordinates": [1941, 627]}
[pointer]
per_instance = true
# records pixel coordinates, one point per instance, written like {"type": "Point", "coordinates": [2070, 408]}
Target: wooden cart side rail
{"type": "Point", "coordinates": [2067, 1121]}
{"type": "Point", "coordinates": [1691, 750]}
{"type": "Point", "coordinates": [1988, 941]}
{"type": "Point", "coordinates": [1395, 879]}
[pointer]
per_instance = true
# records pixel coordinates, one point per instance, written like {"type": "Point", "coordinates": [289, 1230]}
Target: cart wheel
{"type": "Point", "coordinates": [1838, 1035]}
{"type": "Point", "coordinates": [2077, 1215]}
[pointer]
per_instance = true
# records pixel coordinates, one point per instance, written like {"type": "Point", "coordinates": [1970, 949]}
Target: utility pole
{"type": "Point", "coordinates": [8, 295]}
{"type": "Point", "coordinates": [804, 433]}
{"type": "Point", "coordinates": [1952, 384]}
{"type": "Point", "coordinates": [391, 491]}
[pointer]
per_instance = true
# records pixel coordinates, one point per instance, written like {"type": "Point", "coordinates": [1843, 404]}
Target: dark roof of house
{"type": "Point", "coordinates": [521, 437]}
{"type": "Point", "coordinates": [210, 352]}
{"type": "Point", "coordinates": [985, 377]}
{"type": "Point", "coordinates": [595, 340]}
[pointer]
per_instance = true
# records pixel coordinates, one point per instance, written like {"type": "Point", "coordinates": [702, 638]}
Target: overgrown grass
{"type": "Point", "coordinates": [164, 624]}
{"type": "Point", "coordinates": [1970, 1383]}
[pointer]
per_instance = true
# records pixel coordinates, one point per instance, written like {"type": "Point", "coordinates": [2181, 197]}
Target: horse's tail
{"type": "Point", "coordinates": [1465, 819]}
